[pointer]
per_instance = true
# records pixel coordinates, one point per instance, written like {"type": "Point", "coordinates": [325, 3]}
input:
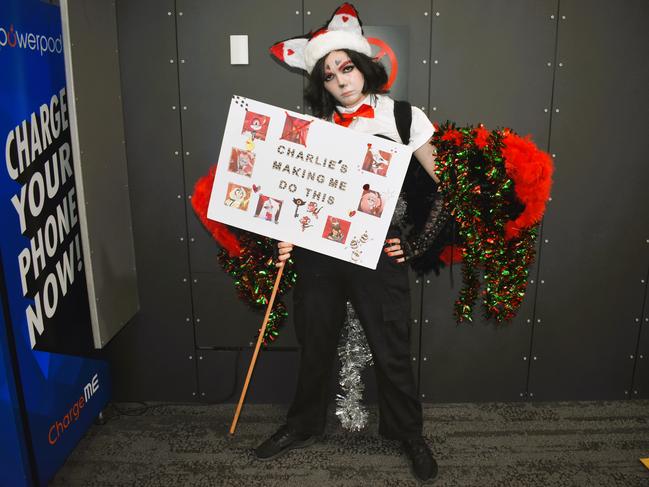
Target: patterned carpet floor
{"type": "Point", "coordinates": [487, 444]}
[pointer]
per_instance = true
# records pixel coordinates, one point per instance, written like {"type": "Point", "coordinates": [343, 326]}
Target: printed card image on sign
{"type": "Point", "coordinates": [237, 196]}
{"type": "Point", "coordinates": [296, 129]}
{"type": "Point", "coordinates": [268, 208]}
{"type": "Point", "coordinates": [336, 229]}
{"type": "Point", "coordinates": [371, 202]}
{"type": "Point", "coordinates": [242, 162]}
{"type": "Point", "coordinates": [376, 161]}
{"type": "Point", "coordinates": [255, 126]}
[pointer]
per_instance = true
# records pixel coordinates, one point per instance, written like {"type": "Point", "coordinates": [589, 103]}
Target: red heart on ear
{"type": "Point", "coordinates": [345, 18]}
{"type": "Point", "coordinates": [352, 213]}
{"type": "Point", "coordinates": [290, 52]}
{"type": "Point", "coordinates": [255, 188]}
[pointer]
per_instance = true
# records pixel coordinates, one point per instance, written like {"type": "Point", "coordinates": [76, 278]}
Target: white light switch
{"type": "Point", "coordinates": [239, 49]}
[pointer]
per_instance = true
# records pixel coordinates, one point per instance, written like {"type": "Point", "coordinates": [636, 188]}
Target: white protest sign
{"type": "Point", "coordinates": [303, 180]}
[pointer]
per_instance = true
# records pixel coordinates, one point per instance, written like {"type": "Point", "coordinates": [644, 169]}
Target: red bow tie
{"type": "Point", "coordinates": [346, 118]}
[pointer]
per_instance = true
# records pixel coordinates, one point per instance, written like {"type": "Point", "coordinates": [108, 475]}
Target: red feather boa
{"type": "Point", "coordinates": [200, 202]}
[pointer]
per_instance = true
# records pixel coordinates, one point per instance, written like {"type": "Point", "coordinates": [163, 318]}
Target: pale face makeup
{"type": "Point", "coordinates": [343, 79]}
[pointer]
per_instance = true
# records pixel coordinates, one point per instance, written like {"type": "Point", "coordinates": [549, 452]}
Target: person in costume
{"type": "Point", "coordinates": [345, 86]}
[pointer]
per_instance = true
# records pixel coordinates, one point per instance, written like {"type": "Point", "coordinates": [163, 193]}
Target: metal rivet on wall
{"type": "Point", "coordinates": [549, 64]}
{"type": "Point", "coordinates": [538, 320]}
{"type": "Point", "coordinates": [184, 107]}
{"type": "Point", "coordinates": [192, 239]}
{"type": "Point", "coordinates": [202, 394]}
{"type": "Point", "coordinates": [308, 12]}
{"type": "Point", "coordinates": [542, 281]}
{"type": "Point", "coordinates": [552, 16]}
{"type": "Point", "coordinates": [423, 109]}
{"type": "Point", "coordinates": [561, 65]}
{"type": "Point", "coordinates": [415, 320]}
{"type": "Point", "coordinates": [414, 359]}
{"type": "Point", "coordinates": [554, 156]}
{"type": "Point", "coordinates": [195, 281]}
{"type": "Point", "coordinates": [200, 357]}
{"type": "Point", "coordinates": [178, 196]}
{"type": "Point", "coordinates": [425, 359]}
{"type": "Point", "coordinates": [524, 358]}
{"type": "Point", "coordinates": [171, 61]}
{"type": "Point", "coordinates": [193, 393]}
{"type": "Point", "coordinates": [176, 152]}
{"type": "Point", "coordinates": [297, 12]}
{"type": "Point", "coordinates": [427, 281]}
{"type": "Point", "coordinates": [168, 13]}
{"type": "Point", "coordinates": [563, 17]}
{"type": "Point", "coordinates": [436, 61]}
{"type": "Point", "coordinates": [547, 240]}
{"type": "Point", "coordinates": [637, 320]}
{"type": "Point", "coordinates": [425, 14]}
{"type": "Point", "coordinates": [635, 392]}
{"type": "Point", "coordinates": [434, 109]}
{"type": "Point", "coordinates": [529, 320]}
{"type": "Point", "coordinates": [198, 320]}
{"type": "Point", "coordinates": [646, 320]}
{"type": "Point", "coordinates": [424, 61]}
{"type": "Point", "coordinates": [641, 357]}
{"type": "Point", "coordinates": [187, 153]}
{"type": "Point", "coordinates": [187, 319]}
{"type": "Point", "coordinates": [182, 239]}
{"type": "Point", "coordinates": [182, 61]}
{"type": "Point", "coordinates": [191, 357]}
{"type": "Point", "coordinates": [416, 281]}
{"type": "Point", "coordinates": [531, 394]}
{"type": "Point", "coordinates": [534, 358]}
{"type": "Point", "coordinates": [173, 107]}
{"type": "Point", "coordinates": [184, 279]}
{"type": "Point", "coordinates": [437, 14]}
{"type": "Point", "coordinates": [531, 281]}
{"type": "Point", "coordinates": [550, 198]}
{"type": "Point", "coordinates": [626, 393]}
{"type": "Point", "coordinates": [556, 110]}
{"type": "Point", "coordinates": [297, 107]}
{"type": "Point", "coordinates": [631, 357]}
{"type": "Point", "coordinates": [545, 110]}
{"type": "Point", "coordinates": [180, 14]}
{"type": "Point", "coordinates": [426, 320]}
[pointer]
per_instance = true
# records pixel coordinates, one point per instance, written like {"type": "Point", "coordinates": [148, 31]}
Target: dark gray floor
{"type": "Point", "coordinates": [489, 444]}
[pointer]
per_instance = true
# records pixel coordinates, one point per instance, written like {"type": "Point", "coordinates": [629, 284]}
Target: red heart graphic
{"type": "Point", "coordinates": [345, 18]}
{"type": "Point", "coordinates": [352, 213]}
{"type": "Point", "coordinates": [255, 188]}
{"type": "Point", "coordinates": [290, 52]}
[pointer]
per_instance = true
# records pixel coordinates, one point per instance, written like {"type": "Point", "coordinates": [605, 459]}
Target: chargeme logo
{"type": "Point", "coordinates": [72, 415]}
{"type": "Point", "coordinates": [28, 40]}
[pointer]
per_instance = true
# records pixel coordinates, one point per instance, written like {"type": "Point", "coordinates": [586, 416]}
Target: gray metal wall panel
{"type": "Point", "coordinates": [208, 81]}
{"type": "Point", "coordinates": [150, 358]}
{"type": "Point", "coordinates": [595, 253]}
{"type": "Point", "coordinates": [489, 63]}
{"type": "Point", "coordinates": [223, 320]}
{"type": "Point", "coordinates": [492, 68]}
{"type": "Point", "coordinates": [97, 134]}
{"type": "Point", "coordinates": [476, 361]}
{"type": "Point", "coordinates": [273, 381]}
{"type": "Point", "coordinates": [640, 386]}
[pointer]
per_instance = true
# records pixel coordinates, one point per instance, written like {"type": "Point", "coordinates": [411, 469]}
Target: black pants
{"type": "Point", "coordinates": [381, 299]}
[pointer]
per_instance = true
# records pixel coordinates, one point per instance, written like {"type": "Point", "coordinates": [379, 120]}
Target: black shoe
{"type": "Point", "coordinates": [422, 463]}
{"type": "Point", "coordinates": [285, 439]}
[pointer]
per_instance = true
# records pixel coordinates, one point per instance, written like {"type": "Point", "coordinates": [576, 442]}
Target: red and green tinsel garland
{"type": "Point", "coordinates": [248, 259]}
{"type": "Point", "coordinates": [495, 184]}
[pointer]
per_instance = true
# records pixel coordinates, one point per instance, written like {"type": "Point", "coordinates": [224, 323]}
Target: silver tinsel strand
{"type": "Point", "coordinates": [355, 355]}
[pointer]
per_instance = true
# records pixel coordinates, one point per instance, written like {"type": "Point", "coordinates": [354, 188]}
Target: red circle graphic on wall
{"type": "Point", "coordinates": [386, 50]}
